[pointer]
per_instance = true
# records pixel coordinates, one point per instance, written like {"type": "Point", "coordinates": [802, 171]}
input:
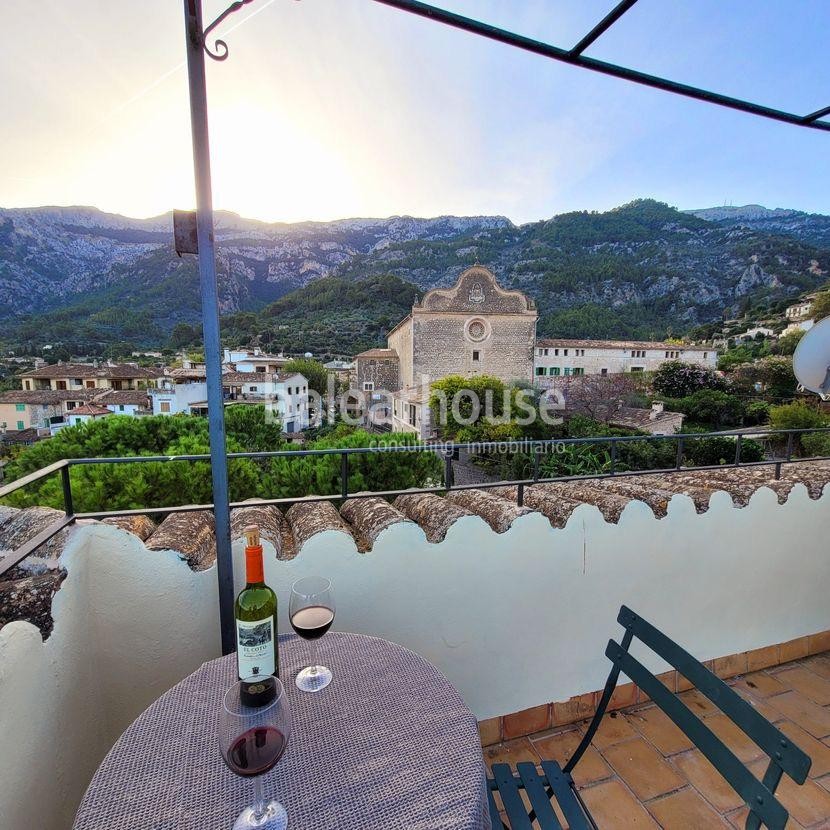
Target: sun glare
{"type": "Point", "coordinates": [269, 165]}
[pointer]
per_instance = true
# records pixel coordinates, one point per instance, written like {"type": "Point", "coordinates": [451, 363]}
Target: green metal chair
{"type": "Point", "coordinates": [555, 783]}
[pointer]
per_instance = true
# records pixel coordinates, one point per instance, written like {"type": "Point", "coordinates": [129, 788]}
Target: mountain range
{"type": "Point", "coordinates": [645, 269]}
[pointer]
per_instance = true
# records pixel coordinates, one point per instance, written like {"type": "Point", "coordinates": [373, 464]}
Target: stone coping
{"type": "Point", "coordinates": [191, 534]}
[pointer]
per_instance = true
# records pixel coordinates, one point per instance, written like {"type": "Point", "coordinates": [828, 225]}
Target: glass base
{"type": "Point", "coordinates": [314, 678]}
{"type": "Point", "coordinates": [273, 817]}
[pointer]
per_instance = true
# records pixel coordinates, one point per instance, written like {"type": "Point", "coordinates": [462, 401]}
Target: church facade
{"type": "Point", "coordinates": [476, 327]}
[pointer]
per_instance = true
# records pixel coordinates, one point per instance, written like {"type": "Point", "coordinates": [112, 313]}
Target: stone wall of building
{"type": "Point", "coordinates": [400, 339]}
{"type": "Point", "coordinates": [379, 367]}
{"type": "Point", "coordinates": [450, 344]}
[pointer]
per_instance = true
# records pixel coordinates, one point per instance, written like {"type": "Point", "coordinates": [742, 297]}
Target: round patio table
{"type": "Point", "coordinates": [388, 744]}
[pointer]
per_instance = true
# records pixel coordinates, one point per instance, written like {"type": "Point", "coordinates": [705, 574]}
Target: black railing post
{"type": "Point", "coordinates": [678, 460]}
{"type": "Point", "coordinates": [777, 470]}
{"type": "Point", "coordinates": [344, 475]}
{"type": "Point", "coordinates": [738, 450]}
{"type": "Point", "coordinates": [789, 446]}
{"type": "Point", "coordinates": [448, 469]}
{"type": "Point", "coordinates": [520, 495]}
{"type": "Point", "coordinates": [66, 483]}
{"type": "Point", "coordinates": [536, 462]}
{"type": "Point", "coordinates": [613, 456]}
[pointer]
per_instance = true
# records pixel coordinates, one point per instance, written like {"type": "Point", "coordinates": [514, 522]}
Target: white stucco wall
{"type": "Point", "coordinates": [513, 620]}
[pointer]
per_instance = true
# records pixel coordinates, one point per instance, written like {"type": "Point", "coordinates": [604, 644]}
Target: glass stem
{"type": "Point", "coordinates": [259, 798]}
{"type": "Point", "coordinates": [314, 643]}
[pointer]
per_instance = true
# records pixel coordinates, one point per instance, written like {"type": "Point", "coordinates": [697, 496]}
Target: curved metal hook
{"type": "Point", "coordinates": [220, 46]}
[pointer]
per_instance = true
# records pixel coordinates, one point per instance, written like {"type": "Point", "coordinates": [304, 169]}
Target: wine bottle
{"type": "Point", "coordinates": [257, 647]}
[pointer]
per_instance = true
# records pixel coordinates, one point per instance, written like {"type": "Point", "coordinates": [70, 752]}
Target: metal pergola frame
{"type": "Point", "coordinates": [575, 57]}
{"type": "Point", "coordinates": [196, 40]}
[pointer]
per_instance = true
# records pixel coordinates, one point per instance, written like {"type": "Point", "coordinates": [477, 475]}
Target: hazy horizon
{"type": "Point", "coordinates": [328, 110]}
{"type": "Point", "coordinates": [218, 210]}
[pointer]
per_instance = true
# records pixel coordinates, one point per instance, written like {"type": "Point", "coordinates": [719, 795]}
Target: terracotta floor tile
{"type": "Point", "coordinates": [561, 746]}
{"type": "Point", "coordinates": [808, 715]}
{"type": "Point", "coordinates": [818, 751]}
{"type": "Point", "coordinates": [820, 665]}
{"type": "Point", "coordinates": [807, 803]}
{"type": "Point", "coordinates": [761, 706]}
{"type": "Point", "coordinates": [612, 805]}
{"type": "Point", "coordinates": [659, 728]}
{"type": "Point", "coordinates": [698, 703]}
{"type": "Point", "coordinates": [510, 753]}
{"type": "Point", "coordinates": [735, 738]}
{"type": "Point", "coordinates": [825, 782]}
{"type": "Point", "coordinates": [685, 809]}
{"type": "Point", "coordinates": [808, 683]}
{"type": "Point", "coordinates": [612, 730]}
{"type": "Point", "coordinates": [761, 684]}
{"type": "Point", "coordinates": [738, 819]}
{"type": "Point", "coordinates": [707, 780]}
{"type": "Point", "coordinates": [643, 768]}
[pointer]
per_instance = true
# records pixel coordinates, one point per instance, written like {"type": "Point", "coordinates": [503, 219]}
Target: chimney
{"type": "Point", "coordinates": [656, 409]}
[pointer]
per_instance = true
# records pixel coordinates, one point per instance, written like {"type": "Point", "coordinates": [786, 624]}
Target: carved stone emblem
{"type": "Point", "coordinates": [477, 293]}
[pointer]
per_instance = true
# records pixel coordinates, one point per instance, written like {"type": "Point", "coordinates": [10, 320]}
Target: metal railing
{"type": "Point", "coordinates": [535, 449]}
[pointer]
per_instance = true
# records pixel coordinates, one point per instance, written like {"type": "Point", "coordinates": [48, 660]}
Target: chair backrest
{"type": "Point", "coordinates": [784, 755]}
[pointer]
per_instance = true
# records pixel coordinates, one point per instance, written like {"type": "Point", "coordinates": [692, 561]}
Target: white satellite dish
{"type": "Point", "coordinates": [811, 361]}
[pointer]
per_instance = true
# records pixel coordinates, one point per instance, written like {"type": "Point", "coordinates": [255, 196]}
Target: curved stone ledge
{"type": "Point", "coordinates": [273, 527]}
{"type": "Point", "coordinates": [556, 510]}
{"type": "Point", "coordinates": [609, 504]}
{"type": "Point", "coordinates": [370, 517]}
{"type": "Point", "coordinates": [308, 518]}
{"type": "Point", "coordinates": [191, 535]}
{"type": "Point", "coordinates": [434, 514]}
{"type": "Point", "coordinates": [496, 510]}
{"type": "Point", "coordinates": [22, 526]}
{"type": "Point", "coordinates": [30, 599]}
{"type": "Point", "coordinates": [142, 526]}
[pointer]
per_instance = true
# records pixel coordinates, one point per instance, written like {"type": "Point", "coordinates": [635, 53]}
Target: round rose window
{"type": "Point", "coordinates": [476, 330]}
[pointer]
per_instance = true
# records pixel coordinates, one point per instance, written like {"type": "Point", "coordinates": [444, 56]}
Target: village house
{"type": "Point", "coordinates": [76, 376]}
{"type": "Point", "coordinates": [559, 357]}
{"type": "Point", "coordinates": [254, 360]}
{"type": "Point", "coordinates": [86, 413]}
{"type": "Point", "coordinates": [286, 394]}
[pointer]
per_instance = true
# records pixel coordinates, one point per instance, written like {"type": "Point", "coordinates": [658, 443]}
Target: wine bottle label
{"type": "Point", "coordinates": [255, 648]}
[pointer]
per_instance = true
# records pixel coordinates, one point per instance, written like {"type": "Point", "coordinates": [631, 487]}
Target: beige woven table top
{"type": "Point", "coordinates": [389, 744]}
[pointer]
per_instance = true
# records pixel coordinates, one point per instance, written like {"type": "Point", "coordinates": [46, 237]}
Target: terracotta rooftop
{"type": "Point", "coordinates": [364, 519]}
{"type": "Point", "coordinates": [619, 344]}
{"type": "Point", "coordinates": [47, 396]}
{"type": "Point", "coordinates": [133, 397]}
{"type": "Point", "coordinates": [91, 409]}
{"type": "Point", "coordinates": [122, 371]}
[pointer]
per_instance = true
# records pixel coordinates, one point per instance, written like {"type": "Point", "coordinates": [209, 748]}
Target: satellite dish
{"type": "Point", "coordinates": [811, 361]}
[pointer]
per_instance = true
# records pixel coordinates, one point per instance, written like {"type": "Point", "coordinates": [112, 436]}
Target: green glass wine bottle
{"type": "Point", "coordinates": [257, 646]}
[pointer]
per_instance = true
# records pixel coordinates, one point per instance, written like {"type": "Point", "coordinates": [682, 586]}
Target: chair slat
{"type": "Point", "coordinates": [768, 738]}
{"type": "Point", "coordinates": [565, 796]}
{"type": "Point", "coordinates": [539, 796]}
{"type": "Point", "coordinates": [495, 818]}
{"type": "Point", "coordinates": [511, 798]}
{"type": "Point", "coordinates": [754, 793]}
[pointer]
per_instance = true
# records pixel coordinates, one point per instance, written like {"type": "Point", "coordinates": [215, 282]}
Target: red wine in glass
{"type": "Point", "coordinates": [252, 738]}
{"type": "Point", "coordinates": [311, 611]}
{"type": "Point", "coordinates": [256, 751]}
{"type": "Point", "coordinates": [312, 622]}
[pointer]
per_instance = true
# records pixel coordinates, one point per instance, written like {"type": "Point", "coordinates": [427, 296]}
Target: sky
{"type": "Point", "coordinates": [328, 109]}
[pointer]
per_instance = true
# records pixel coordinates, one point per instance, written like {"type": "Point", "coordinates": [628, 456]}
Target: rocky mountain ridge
{"type": "Point", "coordinates": [641, 269]}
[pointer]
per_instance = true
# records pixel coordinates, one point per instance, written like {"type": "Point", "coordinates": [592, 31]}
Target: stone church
{"type": "Point", "coordinates": [474, 328]}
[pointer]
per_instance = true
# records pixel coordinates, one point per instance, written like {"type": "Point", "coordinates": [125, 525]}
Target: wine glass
{"type": "Point", "coordinates": [252, 739]}
{"type": "Point", "coordinates": [311, 611]}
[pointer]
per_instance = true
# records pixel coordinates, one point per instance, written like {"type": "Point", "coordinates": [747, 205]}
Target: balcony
{"type": "Point", "coordinates": [511, 590]}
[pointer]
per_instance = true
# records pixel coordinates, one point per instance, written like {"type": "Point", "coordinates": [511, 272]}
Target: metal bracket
{"type": "Point", "coordinates": [220, 46]}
